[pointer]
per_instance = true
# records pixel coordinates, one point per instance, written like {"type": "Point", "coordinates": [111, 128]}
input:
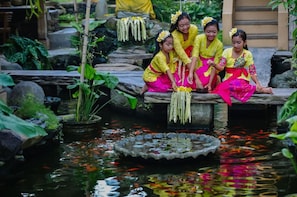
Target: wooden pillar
{"type": "Point", "coordinates": [42, 26]}
{"type": "Point", "coordinates": [227, 19]}
{"type": "Point", "coordinates": [283, 28]}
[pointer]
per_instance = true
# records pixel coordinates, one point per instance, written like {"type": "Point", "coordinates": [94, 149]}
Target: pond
{"type": "Point", "coordinates": [246, 164]}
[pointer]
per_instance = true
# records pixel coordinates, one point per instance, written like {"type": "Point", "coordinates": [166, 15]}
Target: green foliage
{"type": "Point", "coordinates": [288, 113]}
{"type": "Point", "coordinates": [10, 121]}
{"type": "Point", "coordinates": [35, 8]}
{"type": "Point", "coordinates": [292, 8]}
{"type": "Point", "coordinates": [198, 11]}
{"type": "Point", "coordinates": [289, 110]}
{"type": "Point", "coordinates": [6, 80]}
{"type": "Point", "coordinates": [164, 8]}
{"type": "Point", "coordinates": [90, 90]}
{"type": "Point", "coordinates": [93, 40]}
{"type": "Point", "coordinates": [30, 54]}
{"type": "Point", "coordinates": [18, 125]}
{"type": "Point", "coordinates": [31, 108]}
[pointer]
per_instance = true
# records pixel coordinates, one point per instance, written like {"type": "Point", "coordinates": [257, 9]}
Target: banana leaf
{"type": "Point", "coordinates": [26, 130]}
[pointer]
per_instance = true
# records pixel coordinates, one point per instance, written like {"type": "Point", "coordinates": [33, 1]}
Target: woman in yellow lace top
{"type": "Point", "coordinates": [207, 51]}
{"type": "Point", "coordinates": [239, 68]}
{"type": "Point", "coordinates": [158, 76]}
{"type": "Point", "coordinates": [183, 33]}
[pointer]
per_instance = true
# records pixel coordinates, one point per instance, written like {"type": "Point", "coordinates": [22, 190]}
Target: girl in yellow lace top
{"type": "Point", "coordinates": [207, 50]}
{"type": "Point", "coordinates": [158, 76]}
{"type": "Point", "coordinates": [239, 68]}
{"type": "Point", "coordinates": [183, 33]}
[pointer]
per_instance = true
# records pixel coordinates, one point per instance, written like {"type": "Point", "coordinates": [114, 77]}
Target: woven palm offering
{"type": "Point", "coordinates": [239, 62]}
{"type": "Point", "coordinates": [180, 105]}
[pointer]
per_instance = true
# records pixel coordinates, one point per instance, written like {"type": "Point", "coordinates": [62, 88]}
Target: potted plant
{"type": "Point", "coordinates": [88, 89]}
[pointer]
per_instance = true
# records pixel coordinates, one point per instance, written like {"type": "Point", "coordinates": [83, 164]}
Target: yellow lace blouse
{"type": "Point", "coordinates": [159, 66]}
{"type": "Point", "coordinates": [215, 49]}
{"type": "Point", "coordinates": [180, 44]}
{"type": "Point", "coordinates": [229, 62]}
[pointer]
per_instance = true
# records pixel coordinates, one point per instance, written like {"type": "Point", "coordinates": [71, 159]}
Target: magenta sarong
{"type": "Point", "coordinates": [240, 89]}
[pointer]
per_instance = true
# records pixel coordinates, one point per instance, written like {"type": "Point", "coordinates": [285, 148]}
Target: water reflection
{"type": "Point", "coordinates": [86, 165]}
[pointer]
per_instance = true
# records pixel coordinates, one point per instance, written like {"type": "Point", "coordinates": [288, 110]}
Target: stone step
{"type": "Point", "coordinates": [61, 39]}
{"type": "Point", "coordinates": [256, 22]}
{"type": "Point", "coordinates": [252, 8]}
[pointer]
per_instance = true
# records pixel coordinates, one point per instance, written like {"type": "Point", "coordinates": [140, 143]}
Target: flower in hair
{"type": "Point", "coordinates": [206, 20]}
{"type": "Point", "coordinates": [175, 16]}
{"type": "Point", "coordinates": [232, 32]}
{"type": "Point", "coordinates": [163, 35]}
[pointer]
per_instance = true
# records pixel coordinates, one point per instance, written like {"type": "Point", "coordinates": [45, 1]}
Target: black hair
{"type": "Point", "coordinates": [212, 22]}
{"type": "Point", "coordinates": [242, 35]}
{"type": "Point", "coordinates": [174, 26]}
{"type": "Point", "coordinates": [157, 49]}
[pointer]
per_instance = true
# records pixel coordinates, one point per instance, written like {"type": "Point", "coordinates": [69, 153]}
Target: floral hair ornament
{"type": "Point", "coordinates": [232, 32]}
{"type": "Point", "coordinates": [163, 35]}
{"type": "Point", "coordinates": [175, 16]}
{"type": "Point", "coordinates": [206, 20]}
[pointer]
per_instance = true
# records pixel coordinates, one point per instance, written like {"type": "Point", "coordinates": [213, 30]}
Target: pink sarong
{"type": "Point", "coordinates": [240, 89]}
{"type": "Point", "coordinates": [162, 84]}
{"type": "Point", "coordinates": [202, 70]}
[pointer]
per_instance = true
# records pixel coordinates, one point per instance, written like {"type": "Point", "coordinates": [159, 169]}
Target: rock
{"type": "Point", "coordinates": [21, 91]}
{"type": "Point", "coordinates": [61, 38]}
{"type": "Point", "coordinates": [117, 67]}
{"type": "Point", "coordinates": [285, 80]}
{"type": "Point", "coordinates": [10, 144]}
{"type": "Point", "coordinates": [5, 65]}
{"type": "Point", "coordinates": [129, 55]}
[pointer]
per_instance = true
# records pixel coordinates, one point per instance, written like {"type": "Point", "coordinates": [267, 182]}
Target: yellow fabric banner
{"type": "Point", "coordinates": [136, 6]}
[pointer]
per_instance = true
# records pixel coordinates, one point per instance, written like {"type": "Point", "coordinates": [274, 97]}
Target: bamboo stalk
{"type": "Point", "coordinates": [84, 57]}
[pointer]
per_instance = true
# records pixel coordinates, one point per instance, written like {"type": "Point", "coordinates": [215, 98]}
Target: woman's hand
{"type": "Point", "coordinates": [174, 86]}
{"type": "Point", "coordinates": [190, 78]}
{"type": "Point", "coordinates": [211, 63]}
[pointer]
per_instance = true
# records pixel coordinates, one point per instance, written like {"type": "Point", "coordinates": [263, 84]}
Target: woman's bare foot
{"type": "Point", "coordinates": [265, 90]}
{"type": "Point", "coordinates": [143, 89]}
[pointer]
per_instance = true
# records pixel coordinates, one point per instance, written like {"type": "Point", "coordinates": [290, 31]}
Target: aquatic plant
{"type": "Point", "coordinates": [88, 86]}
{"type": "Point", "coordinates": [288, 113]}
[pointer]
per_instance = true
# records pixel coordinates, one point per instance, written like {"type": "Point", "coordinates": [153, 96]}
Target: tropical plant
{"type": "Point", "coordinates": [198, 11]}
{"type": "Point", "coordinates": [164, 8]}
{"type": "Point", "coordinates": [30, 54]}
{"type": "Point", "coordinates": [88, 86]}
{"type": "Point", "coordinates": [288, 111]}
{"type": "Point", "coordinates": [36, 8]}
{"type": "Point", "coordinates": [90, 91]}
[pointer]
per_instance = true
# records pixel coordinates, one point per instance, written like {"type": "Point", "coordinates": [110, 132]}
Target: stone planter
{"type": "Point", "coordinates": [167, 146]}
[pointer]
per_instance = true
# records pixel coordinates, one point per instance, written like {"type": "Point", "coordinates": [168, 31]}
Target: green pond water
{"type": "Point", "coordinates": [246, 163]}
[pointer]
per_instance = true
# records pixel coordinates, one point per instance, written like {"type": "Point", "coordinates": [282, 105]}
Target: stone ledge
{"type": "Point", "coordinates": [279, 97]}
